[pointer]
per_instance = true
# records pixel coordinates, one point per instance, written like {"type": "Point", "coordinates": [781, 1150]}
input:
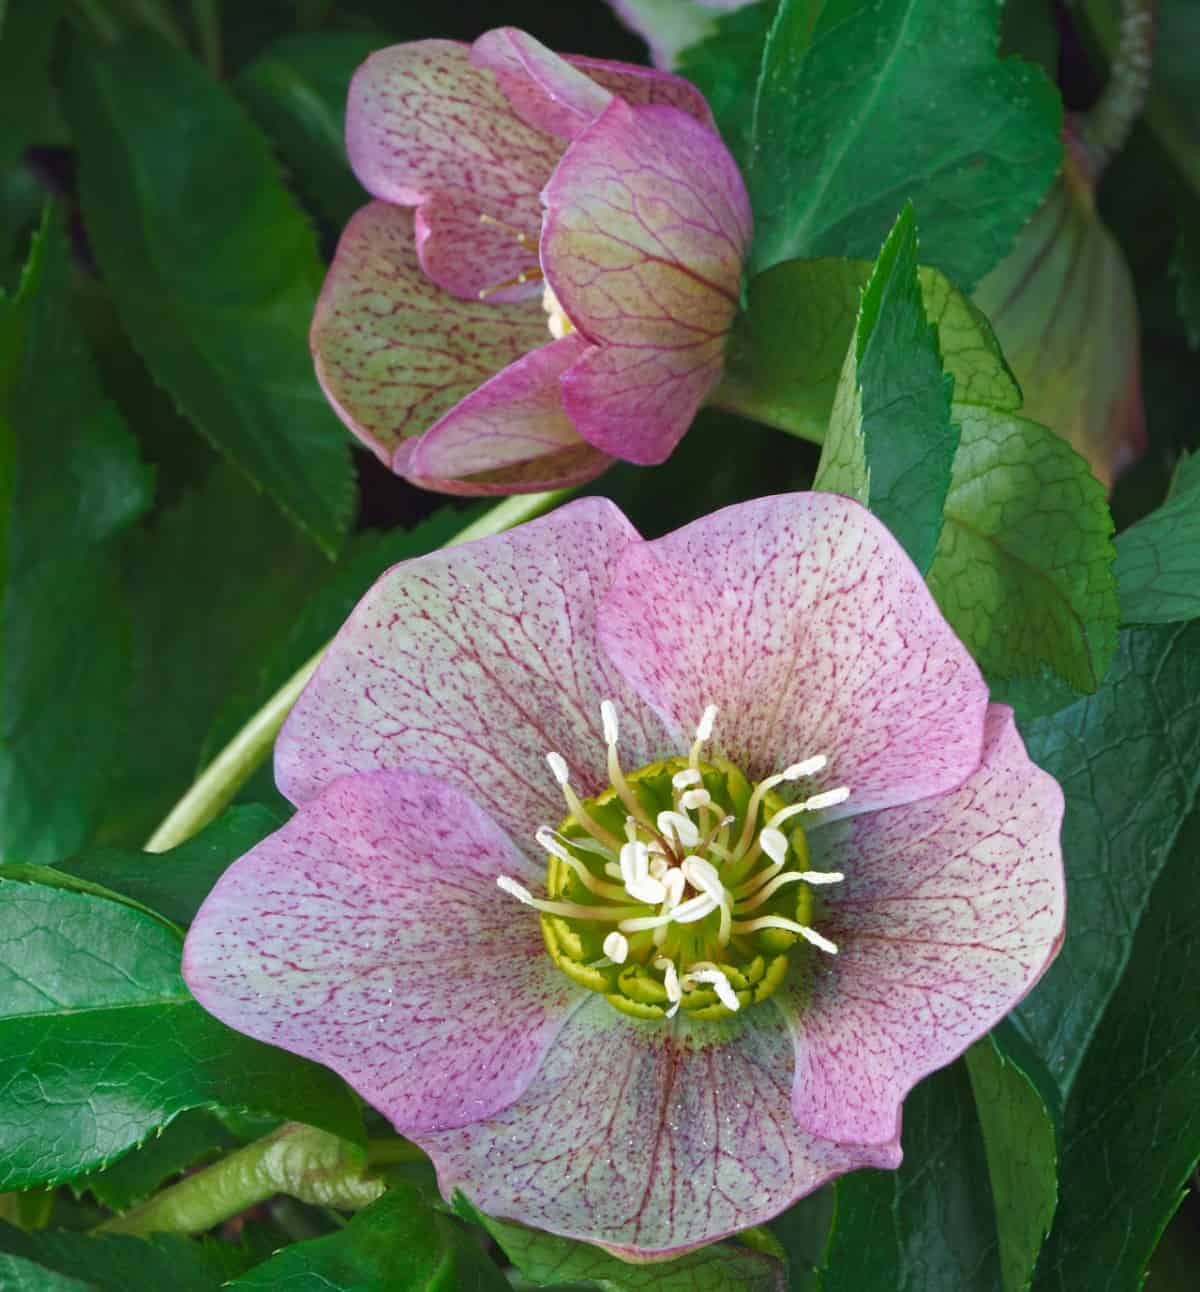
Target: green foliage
{"type": "Point", "coordinates": [101, 1044]}
{"type": "Point", "coordinates": [547, 1260]}
{"type": "Point", "coordinates": [848, 121]}
{"type": "Point", "coordinates": [27, 30]}
{"type": "Point", "coordinates": [70, 482]}
{"type": "Point", "coordinates": [1185, 269]}
{"type": "Point", "coordinates": [1158, 559]}
{"type": "Point", "coordinates": [212, 266]}
{"type": "Point", "coordinates": [891, 441]}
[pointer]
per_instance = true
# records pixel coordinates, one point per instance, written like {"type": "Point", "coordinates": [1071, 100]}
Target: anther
{"type": "Point", "coordinates": [670, 983]}
{"type": "Point", "coordinates": [720, 983]}
{"type": "Point", "coordinates": [704, 728]}
{"type": "Point", "coordinates": [608, 716]}
{"type": "Point", "coordinates": [682, 827]}
{"type": "Point", "coordinates": [809, 767]}
{"type": "Point", "coordinates": [693, 799]}
{"type": "Point", "coordinates": [689, 776]}
{"type": "Point", "coordinates": [778, 922]}
{"type": "Point", "coordinates": [558, 765]}
{"type": "Point", "coordinates": [774, 843]}
{"type": "Point", "coordinates": [616, 947]}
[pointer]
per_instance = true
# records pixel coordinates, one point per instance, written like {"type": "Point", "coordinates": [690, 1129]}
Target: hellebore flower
{"type": "Point", "coordinates": [561, 291]}
{"type": "Point", "coordinates": [638, 882]}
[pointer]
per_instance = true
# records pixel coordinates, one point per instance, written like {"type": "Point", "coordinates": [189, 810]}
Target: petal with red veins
{"type": "Point", "coordinates": [392, 351]}
{"type": "Point", "coordinates": [802, 619]}
{"type": "Point", "coordinates": [472, 663]}
{"type": "Point", "coordinates": [648, 1139]}
{"type": "Point", "coordinates": [513, 426]}
{"type": "Point", "coordinates": [951, 910]}
{"type": "Point", "coordinates": [369, 934]}
{"type": "Point", "coordinates": [647, 222]}
{"type": "Point", "coordinates": [640, 86]}
{"type": "Point", "coordinates": [636, 402]}
{"type": "Point", "coordinates": [473, 259]}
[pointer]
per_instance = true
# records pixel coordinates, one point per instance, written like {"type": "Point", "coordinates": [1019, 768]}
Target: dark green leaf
{"type": "Point", "coordinates": [891, 441]}
{"type": "Point", "coordinates": [174, 883]}
{"type": "Point", "coordinates": [398, 1242]}
{"type": "Point", "coordinates": [547, 1260]}
{"type": "Point", "coordinates": [1128, 759]}
{"type": "Point", "coordinates": [101, 1043]}
{"type": "Point", "coordinates": [1019, 1142]}
{"type": "Point", "coordinates": [296, 90]}
{"type": "Point", "coordinates": [70, 480]}
{"type": "Point", "coordinates": [931, 1224]}
{"type": "Point", "coordinates": [803, 1232]}
{"type": "Point", "coordinates": [1132, 1135]}
{"type": "Point", "coordinates": [27, 30]}
{"type": "Point", "coordinates": [1185, 269]}
{"type": "Point", "coordinates": [1158, 559]}
{"type": "Point", "coordinates": [861, 106]}
{"type": "Point", "coordinates": [1023, 569]}
{"type": "Point", "coordinates": [212, 266]}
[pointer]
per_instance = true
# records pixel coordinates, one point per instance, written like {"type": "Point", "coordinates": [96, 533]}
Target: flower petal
{"type": "Point", "coordinates": [648, 1139]}
{"type": "Point", "coordinates": [473, 259]}
{"type": "Point", "coordinates": [803, 620]}
{"type": "Point", "coordinates": [510, 433]}
{"type": "Point", "coordinates": [640, 86]}
{"type": "Point", "coordinates": [647, 222]}
{"type": "Point", "coordinates": [637, 402]}
{"type": "Point", "coordinates": [471, 664]}
{"type": "Point", "coordinates": [392, 351]}
{"type": "Point", "coordinates": [951, 910]}
{"type": "Point", "coordinates": [369, 934]}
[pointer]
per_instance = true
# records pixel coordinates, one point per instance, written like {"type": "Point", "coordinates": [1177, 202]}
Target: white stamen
{"type": "Point", "coordinates": [704, 728]}
{"type": "Point", "coordinates": [821, 876]}
{"type": "Point", "coordinates": [809, 767]}
{"type": "Point", "coordinates": [616, 947]}
{"type": "Point", "coordinates": [689, 776]}
{"type": "Point", "coordinates": [635, 863]}
{"type": "Point", "coordinates": [658, 865]}
{"type": "Point", "coordinates": [695, 908]}
{"type": "Point", "coordinates": [519, 891]}
{"type": "Point", "coordinates": [558, 765]}
{"type": "Point", "coordinates": [774, 843]}
{"type": "Point", "coordinates": [608, 716]}
{"type": "Point", "coordinates": [703, 875]}
{"type": "Point", "coordinates": [778, 922]}
{"type": "Point", "coordinates": [682, 827]}
{"type": "Point", "coordinates": [674, 882]}
{"type": "Point", "coordinates": [721, 984]}
{"type": "Point", "coordinates": [646, 889]}
{"type": "Point", "coordinates": [546, 839]}
{"type": "Point", "coordinates": [693, 799]}
{"type": "Point", "coordinates": [831, 798]}
{"type": "Point", "coordinates": [670, 983]}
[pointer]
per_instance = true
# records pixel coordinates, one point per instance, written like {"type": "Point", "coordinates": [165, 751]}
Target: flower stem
{"type": "Point", "coordinates": [220, 781]}
{"type": "Point", "coordinates": [1105, 127]}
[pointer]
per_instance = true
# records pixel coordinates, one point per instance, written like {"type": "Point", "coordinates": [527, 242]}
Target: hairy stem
{"type": "Point", "coordinates": [1105, 128]}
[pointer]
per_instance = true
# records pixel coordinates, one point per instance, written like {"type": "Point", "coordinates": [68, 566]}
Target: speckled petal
{"type": "Point", "coordinates": [640, 86]}
{"type": "Point", "coordinates": [951, 910]}
{"type": "Point", "coordinates": [648, 1139]}
{"type": "Point", "coordinates": [471, 664]}
{"type": "Point", "coordinates": [513, 427]}
{"type": "Point", "coordinates": [647, 222]}
{"type": "Point", "coordinates": [393, 352]}
{"type": "Point", "coordinates": [803, 620]}
{"type": "Point", "coordinates": [638, 402]}
{"type": "Point", "coordinates": [369, 934]}
{"type": "Point", "coordinates": [477, 260]}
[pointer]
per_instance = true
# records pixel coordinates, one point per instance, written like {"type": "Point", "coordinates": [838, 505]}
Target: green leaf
{"type": "Point", "coordinates": [212, 266]}
{"type": "Point", "coordinates": [1023, 567]}
{"type": "Point", "coordinates": [1158, 559]}
{"type": "Point", "coordinates": [931, 1224]}
{"type": "Point", "coordinates": [27, 29]}
{"type": "Point", "coordinates": [67, 1262]}
{"type": "Point", "coordinates": [1128, 760]}
{"type": "Point", "coordinates": [891, 441]}
{"type": "Point", "coordinates": [861, 106]}
{"type": "Point", "coordinates": [803, 1233]}
{"type": "Point", "coordinates": [786, 354]}
{"type": "Point", "coordinates": [398, 1242]}
{"type": "Point", "coordinates": [1185, 269]}
{"type": "Point", "coordinates": [296, 90]}
{"type": "Point", "coordinates": [546, 1260]}
{"type": "Point", "coordinates": [174, 883]}
{"type": "Point", "coordinates": [1132, 1135]}
{"type": "Point", "coordinates": [1019, 1141]}
{"type": "Point", "coordinates": [70, 481]}
{"type": "Point", "coordinates": [101, 1043]}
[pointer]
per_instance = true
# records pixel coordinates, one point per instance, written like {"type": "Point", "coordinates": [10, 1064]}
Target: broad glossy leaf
{"type": "Point", "coordinates": [1023, 569]}
{"type": "Point", "coordinates": [1128, 760]}
{"type": "Point", "coordinates": [1158, 559]}
{"type": "Point", "coordinates": [27, 29]}
{"type": "Point", "coordinates": [212, 266]}
{"type": "Point", "coordinates": [398, 1242]}
{"type": "Point", "coordinates": [891, 440]}
{"type": "Point", "coordinates": [70, 482]}
{"type": "Point", "coordinates": [547, 1260]}
{"type": "Point", "coordinates": [296, 90]}
{"type": "Point", "coordinates": [1132, 1134]}
{"type": "Point", "coordinates": [101, 1044]}
{"type": "Point", "coordinates": [861, 106]}
{"type": "Point", "coordinates": [931, 1224]}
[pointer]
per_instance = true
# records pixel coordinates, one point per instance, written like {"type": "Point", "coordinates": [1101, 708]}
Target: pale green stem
{"type": "Point", "coordinates": [220, 781]}
{"type": "Point", "coordinates": [1105, 127]}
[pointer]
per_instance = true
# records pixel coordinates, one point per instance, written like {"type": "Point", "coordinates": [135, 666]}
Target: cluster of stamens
{"type": "Point", "coordinates": [682, 885]}
{"type": "Point", "coordinates": [556, 317]}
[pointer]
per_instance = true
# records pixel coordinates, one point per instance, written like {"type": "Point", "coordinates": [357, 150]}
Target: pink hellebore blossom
{"type": "Point", "coordinates": [548, 274]}
{"type": "Point", "coordinates": [625, 977]}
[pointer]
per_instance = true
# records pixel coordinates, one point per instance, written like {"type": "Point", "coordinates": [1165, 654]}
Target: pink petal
{"type": "Point", "coordinates": [648, 1139]}
{"type": "Point", "coordinates": [392, 351]}
{"type": "Point", "coordinates": [471, 664]}
{"type": "Point", "coordinates": [803, 620]}
{"type": "Point", "coordinates": [638, 402]}
{"type": "Point", "coordinates": [952, 909]}
{"type": "Point", "coordinates": [512, 432]}
{"type": "Point", "coordinates": [640, 86]}
{"type": "Point", "coordinates": [474, 260]}
{"type": "Point", "coordinates": [423, 125]}
{"type": "Point", "coordinates": [647, 222]}
{"type": "Point", "coordinates": [369, 934]}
